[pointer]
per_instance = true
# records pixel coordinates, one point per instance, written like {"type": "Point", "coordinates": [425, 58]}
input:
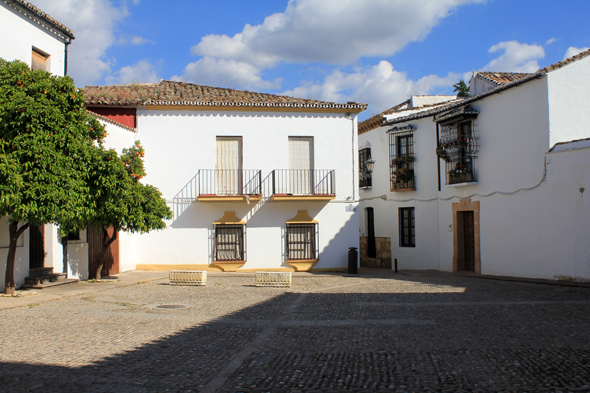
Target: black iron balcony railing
{"type": "Point", "coordinates": [228, 182]}
{"type": "Point", "coordinates": [303, 182]}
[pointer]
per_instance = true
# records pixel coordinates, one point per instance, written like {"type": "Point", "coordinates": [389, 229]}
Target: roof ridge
{"type": "Point", "coordinates": [43, 15]}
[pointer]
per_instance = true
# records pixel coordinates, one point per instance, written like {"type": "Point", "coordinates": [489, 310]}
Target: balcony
{"type": "Point", "coordinates": [229, 185]}
{"type": "Point", "coordinates": [303, 185]}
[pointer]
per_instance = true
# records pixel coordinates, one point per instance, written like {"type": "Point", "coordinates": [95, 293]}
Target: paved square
{"type": "Point", "coordinates": [410, 332]}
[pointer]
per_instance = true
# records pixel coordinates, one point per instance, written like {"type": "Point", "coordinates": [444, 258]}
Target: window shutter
{"type": "Point", "coordinates": [39, 61]}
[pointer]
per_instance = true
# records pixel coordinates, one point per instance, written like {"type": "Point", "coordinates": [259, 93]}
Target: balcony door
{"type": "Point", "coordinates": [301, 165]}
{"type": "Point", "coordinates": [228, 177]}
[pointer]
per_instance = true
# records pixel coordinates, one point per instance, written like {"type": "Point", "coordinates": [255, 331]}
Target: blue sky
{"type": "Point", "coordinates": [374, 51]}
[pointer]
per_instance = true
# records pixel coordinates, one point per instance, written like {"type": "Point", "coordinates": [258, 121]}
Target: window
{"type": "Point", "coordinates": [401, 155]}
{"type": "Point", "coordinates": [74, 236]}
{"type": "Point", "coordinates": [229, 242]}
{"type": "Point", "coordinates": [39, 61]}
{"type": "Point", "coordinates": [407, 237]}
{"type": "Point", "coordinates": [302, 241]}
{"type": "Point", "coordinates": [365, 178]}
{"type": "Point", "coordinates": [457, 145]}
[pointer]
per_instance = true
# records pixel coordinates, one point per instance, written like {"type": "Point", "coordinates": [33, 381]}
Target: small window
{"type": "Point", "coordinates": [401, 155]}
{"type": "Point", "coordinates": [407, 236]}
{"type": "Point", "coordinates": [302, 241]}
{"type": "Point", "coordinates": [74, 236]}
{"type": "Point", "coordinates": [229, 242]}
{"type": "Point", "coordinates": [365, 177]}
{"type": "Point", "coordinates": [39, 61]}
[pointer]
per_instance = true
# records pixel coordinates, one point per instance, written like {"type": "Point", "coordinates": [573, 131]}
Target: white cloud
{"type": "Point", "coordinates": [572, 51]}
{"type": "Point", "coordinates": [380, 86]}
{"type": "Point", "coordinates": [550, 41]}
{"type": "Point", "coordinates": [517, 57]}
{"type": "Point", "coordinates": [93, 22]}
{"type": "Point", "coordinates": [134, 40]}
{"type": "Point", "coordinates": [328, 31]}
{"type": "Point", "coordinates": [231, 73]}
{"type": "Point", "coordinates": [141, 72]}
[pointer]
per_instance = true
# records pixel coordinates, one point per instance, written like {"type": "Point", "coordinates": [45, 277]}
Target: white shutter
{"type": "Point", "coordinates": [229, 166]}
{"type": "Point", "coordinates": [300, 165]}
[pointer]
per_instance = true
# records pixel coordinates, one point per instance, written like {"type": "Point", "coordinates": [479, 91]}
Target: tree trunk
{"type": "Point", "coordinates": [15, 233]}
{"type": "Point", "coordinates": [103, 252]}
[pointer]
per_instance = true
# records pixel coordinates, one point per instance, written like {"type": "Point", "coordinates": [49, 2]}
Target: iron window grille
{"type": "Point", "coordinates": [229, 242]}
{"type": "Point", "coordinates": [458, 145]}
{"type": "Point", "coordinates": [365, 178]}
{"type": "Point", "coordinates": [407, 227]}
{"type": "Point", "coordinates": [302, 241]}
{"type": "Point", "coordinates": [401, 158]}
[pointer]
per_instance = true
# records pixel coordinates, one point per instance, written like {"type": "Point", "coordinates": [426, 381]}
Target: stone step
{"type": "Point", "coordinates": [40, 271]}
{"type": "Point", "coordinates": [54, 277]}
{"type": "Point", "coordinates": [49, 284]}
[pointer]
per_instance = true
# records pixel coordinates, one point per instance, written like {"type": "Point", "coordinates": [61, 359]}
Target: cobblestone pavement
{"type": "Point", "coordinates": [410, 332]}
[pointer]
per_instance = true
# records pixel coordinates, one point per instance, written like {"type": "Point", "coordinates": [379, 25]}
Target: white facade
{"type": "Point", "coordinates": [180, 143]}
{"type": "Point", "coordinates": [528, 202]}
{"type": "Point", "coordinates": [25, 31]}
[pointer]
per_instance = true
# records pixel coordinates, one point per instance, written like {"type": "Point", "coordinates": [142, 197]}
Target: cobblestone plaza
{"type": "Point", "coordinates": [381, 331]}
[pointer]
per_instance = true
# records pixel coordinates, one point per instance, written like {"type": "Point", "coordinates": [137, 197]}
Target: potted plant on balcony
{"type": "Point", "coordinates": [400, 161]}
{"type": "Point", "coordinates": [403, 175]}
{"type": "Point", "coordinates": [460, 173]}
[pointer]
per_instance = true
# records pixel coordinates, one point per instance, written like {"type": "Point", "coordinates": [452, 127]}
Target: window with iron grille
{"type": "Point", "coordinates": [229, 242]}
{"type": "Point", "coordinates": [407, 236]}
{"type": "Point", "coordinates": [401, 157]}
{"type": "Point", "coordinates": [302, 241]}
{"type": "Point", "coordinates": [365, 178]}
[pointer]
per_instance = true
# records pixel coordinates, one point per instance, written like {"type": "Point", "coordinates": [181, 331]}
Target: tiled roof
{"type": "Point", "coordinates": [189, 94]}
{"type": "Point", "coordinates": [36, 13]}
{"type": "Point", "coordinates": [111, 121]}
{"type": "Point", "coordinates": [500, 78]}
{"type": "Point", "coordinates": [500, 88]}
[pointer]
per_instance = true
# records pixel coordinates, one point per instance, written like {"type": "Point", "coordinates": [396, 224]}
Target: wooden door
{"type": "Point", "coordinates": [36, 246]}
{"type": "Point", "coordinates": [95, 242]}
{"type": "Point", "coordinates": [371, 244]}
{"type": "Point", "coordinates": [301, 178]}
{"type": "Point", "coordinates": [229, 166]}
{"type": "Point", "coordinates": [468, 240]}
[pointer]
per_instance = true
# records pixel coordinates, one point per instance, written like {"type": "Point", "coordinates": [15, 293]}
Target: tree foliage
{"type": "Point", "coordinates": [461, 89]}
{"type": "Point", "coordinates": [46, 139]}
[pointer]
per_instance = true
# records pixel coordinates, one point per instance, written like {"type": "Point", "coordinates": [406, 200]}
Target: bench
{"type": "Point", "coordinates": [273, 279]}
{"type": "Point", "coordinates": [188, 277]}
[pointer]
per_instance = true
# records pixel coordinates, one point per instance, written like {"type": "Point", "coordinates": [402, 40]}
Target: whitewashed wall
{"type": "Point", "coordinates": [540, 233]}
{"type": "Point", "coordinates": [179, 143]}
{"type": "Point", "coordinates": [21, 35]}
{"type": "Point", "coordinates": [569, 99]}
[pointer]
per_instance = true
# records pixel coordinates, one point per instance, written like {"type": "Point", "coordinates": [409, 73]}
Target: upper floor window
{"type": "Point", "coordinates": [457, 145]}
{"type": "Point", "coordinates": [401, 158]}
{"type": "Point", "coordinates": [365, 177]}
{"type": "Point", "coordinates": [39, 60]}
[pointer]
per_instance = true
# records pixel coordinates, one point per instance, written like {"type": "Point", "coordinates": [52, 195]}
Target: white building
{"type": "Point", "coordinates": [30, 35]}
{"type": "Point", "coordinates": [475, 185]}
{"type": "Point", "coordinates": [256, 181]}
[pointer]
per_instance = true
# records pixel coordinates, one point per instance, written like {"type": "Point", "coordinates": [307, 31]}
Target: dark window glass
{"type": "Point", "coordinates": [407, 237]}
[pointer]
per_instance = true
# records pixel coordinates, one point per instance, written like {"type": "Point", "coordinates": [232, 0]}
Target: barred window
{"type": "Point", "coordinates": [229, 242]}
{"type": "Point", "coordinates": [407, 236]}
{"type": "Point", "coordinates": [401, 156]}
{"type": "Point", "coordinates": [365, 178]}
{"type": "Point", "coordinates": [302, 241]}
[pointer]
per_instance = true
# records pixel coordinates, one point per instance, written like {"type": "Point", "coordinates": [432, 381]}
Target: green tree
{"type": "Point", "coordinates": [121, 201]}
{"type": "Point", "coordinates": [461, 89]}
{"type": "Point", "coordinates": [47, 141]}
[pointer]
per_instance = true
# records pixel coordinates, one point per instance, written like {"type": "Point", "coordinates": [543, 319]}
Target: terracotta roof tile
{"type": "Point", "coordinates": [502, 87]}
{"type": "Point", "coordinates": [42, 15]}
{"type": "Point", "coordinates": [183, 93]}
{"type": "Point", "coordinates": [500, 78]}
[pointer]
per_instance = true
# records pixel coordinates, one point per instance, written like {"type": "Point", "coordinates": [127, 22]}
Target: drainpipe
{"type": "Point", "coordinates": [66, 57]}
{"type": "Point", "coordinates": [351, 117]}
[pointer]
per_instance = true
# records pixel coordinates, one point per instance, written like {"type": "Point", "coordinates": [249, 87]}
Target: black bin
{"type": "Point", "coordinates": [352, 261]}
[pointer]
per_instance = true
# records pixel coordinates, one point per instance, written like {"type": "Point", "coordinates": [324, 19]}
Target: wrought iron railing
{"type": "Point", "coordinates": [303, 182]}
{"type": "Point", "coordinates": [302, 241]}
{"type": "Point", "coordinates": [460, 171]}
{"type": "Point", "coordinates": [228, 182]}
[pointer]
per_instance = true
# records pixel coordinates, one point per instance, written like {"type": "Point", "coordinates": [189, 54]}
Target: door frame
{"type": "Point", "coordinates": [461, 206]}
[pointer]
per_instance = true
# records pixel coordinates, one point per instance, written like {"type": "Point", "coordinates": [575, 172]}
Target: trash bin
{"type": "Point", "coordinates": [352, 261]}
